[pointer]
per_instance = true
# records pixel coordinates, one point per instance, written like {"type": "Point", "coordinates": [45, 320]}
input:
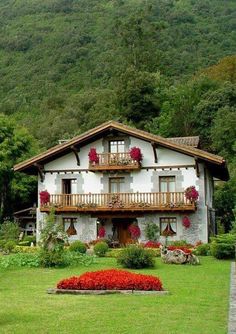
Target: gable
{"type": "Point", "coordinates": [111, 129]}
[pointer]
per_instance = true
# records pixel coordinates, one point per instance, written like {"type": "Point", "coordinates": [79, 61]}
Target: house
{"type": "Point", "coordinates": [94, 180]}
{"type": "Point", "coordinates": [26, 219]}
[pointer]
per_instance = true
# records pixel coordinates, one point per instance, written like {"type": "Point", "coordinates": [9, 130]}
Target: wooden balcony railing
{"type": "Point", "coordinates": [158, 201]}
{"type": "Point", "coordinates": [113, 161]}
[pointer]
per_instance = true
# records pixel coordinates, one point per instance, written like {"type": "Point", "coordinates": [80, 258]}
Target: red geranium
{"type": "Point", "coordinates": [152, 244]}
{"type": "Point", "coordinates": [111, 279]}
{"type": "Point", "coordinates": [186, 222]}
{"type": "Point", "coordinates": [93, 156]}
{"type": "Point", "coordinates": [135, 154]}
{"type": "Point", "coordinates": [44, 197]}
{"type": "Point", "coordinates": [134, 231]}
{"type": "Point", "coordinates": [101, 232]}
{"type": "Point", "coordinates": [191, 194]}
{"type": "Point", "coordinates": [183, 248]}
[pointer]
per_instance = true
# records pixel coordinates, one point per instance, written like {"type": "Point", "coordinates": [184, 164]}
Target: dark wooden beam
{"type": "Point", "coordinates": [40, 169]}
{"type": "Point", "coordinates": [75, 151]}
{"type": "Point", "coordinates": [197, 166]}
{"type": "Point", "coordinates": [154, 146]}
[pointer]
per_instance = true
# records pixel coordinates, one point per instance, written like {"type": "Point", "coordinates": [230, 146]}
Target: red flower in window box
{"type": "Point", "coordinates": [93, 156]}
{"type": "Point", "coordinates": [111, 279]}
{"type": "Point", "coordinates": [186, 222]}
{"type": "Point", "coordinates": [135, 154]}
{"type": "Point", "coordinates": [44, 197]}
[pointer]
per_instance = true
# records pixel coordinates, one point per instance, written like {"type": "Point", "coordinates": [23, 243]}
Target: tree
{"type": "Point", "coordinates": [137, 97]}
{"type": "Point", "coordinates": [15, 144]}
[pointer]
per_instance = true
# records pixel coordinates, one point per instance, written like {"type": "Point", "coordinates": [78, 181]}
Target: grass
{"type": "Point", "coordinates": [198, 302]}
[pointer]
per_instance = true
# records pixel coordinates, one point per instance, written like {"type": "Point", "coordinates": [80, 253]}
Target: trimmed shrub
{"type": "Point", "coordinates": [101, 248]}
{"type": "Point", "coordinates": [203, 250]}
{"type": "Point", "coordinates": [52, 257]}
{"type": "Point", "coordinates": [111, 279]}
{"type": "Point", "coordinates": [136, 257]}
{"type": "Point", "coordinates": [223, 246]}
{"type": "Point", "coordinates": [78, 246]}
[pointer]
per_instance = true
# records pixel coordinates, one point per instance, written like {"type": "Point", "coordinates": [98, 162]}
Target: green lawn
{"type": "Point", "coordinates": [198, 302]}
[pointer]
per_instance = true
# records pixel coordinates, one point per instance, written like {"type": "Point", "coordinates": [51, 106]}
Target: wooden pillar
{"type": "Point", "coordinates": [40, 169]}
{"type": "Point", "coordinates": [154, 147]}
{"type": "Point", "coordinates": [75, 151]}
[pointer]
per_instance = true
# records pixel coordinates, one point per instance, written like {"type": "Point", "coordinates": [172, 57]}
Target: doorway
{"type": "Point", "coordinates": [121, 230]}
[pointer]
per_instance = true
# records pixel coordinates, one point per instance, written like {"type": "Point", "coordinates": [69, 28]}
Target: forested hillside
{"type": "Point", "coordinates": [167, 66]}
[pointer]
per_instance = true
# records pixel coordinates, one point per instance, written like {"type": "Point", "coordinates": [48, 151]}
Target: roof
{"type": "Point", "coordinates": [30, 165]}
{"type": "Point", "coordinates": [189, 141]}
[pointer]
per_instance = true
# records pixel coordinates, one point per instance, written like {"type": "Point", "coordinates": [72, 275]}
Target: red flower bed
{"type": "Point", "coordinates": [152, 244]}
{"type": "Point", "coordinates": [183, 248]}
{"type": "Point", "coordinates": [111, 279]}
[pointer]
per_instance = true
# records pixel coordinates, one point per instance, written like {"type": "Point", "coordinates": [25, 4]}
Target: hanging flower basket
{"type": "Point", "coordinates": [44, 197]}
{"type": "Point", "coordinates": [101, 232]}
{"type": "Point", "coordinates": [186, 222]}
{"type": "Point", "coordinates": [93, 156]}
{"type": "Point", "coordinates": [191, 194]}
{"type": "Point", "coordinates": [134, 231]}
{"type": "Point", "coordinates": [135, 154]}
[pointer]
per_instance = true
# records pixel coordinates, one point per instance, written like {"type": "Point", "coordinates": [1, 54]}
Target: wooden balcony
{"type": "Point", "coordinates": [114, 161]}
{"type": "Point", "coordinates": [120, 202]}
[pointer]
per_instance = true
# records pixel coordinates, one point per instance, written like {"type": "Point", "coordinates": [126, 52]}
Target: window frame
{"type": "Point", "coordinates": [116, 178]}
{"type": "Point", "coordinates": [169, 223]}
{"type": "Point", "coordinates": [167, 177]}
{"type": "Point", "coordinates": [117, 145]}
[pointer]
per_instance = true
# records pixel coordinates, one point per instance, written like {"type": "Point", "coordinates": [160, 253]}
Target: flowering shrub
{"type": "Point", "coordinates": [186, 222]}
{"type": "Point", "coordinates": [191, 194]}
{"type": "Point", "coordinates": [152, 244]}
{"type": "Point", "coordinates": [134, 231]}
{"type": "Point", "coordinates": [93, 156]}
{"type": "Point", "coordinates": [135, 154]}
{"type": "Point", "coordinates": [101, 232]}
{"type": "Point", "coordinates": [111, 279]}
{"type": "Point", "coordinates": [44, 197]}
{"type": "Point", "coordinates": [183, 248]}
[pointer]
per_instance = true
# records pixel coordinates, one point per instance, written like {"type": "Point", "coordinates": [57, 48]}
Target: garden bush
{"type": "Point", "coordinates": [9, 231]}
{"type": "Point", "coordinates": [52, 258]}
{"type": "Point", "coordinates": [26, 249]}
{"type": "Point", "coordinates": [151, 231]}
{"type": "Point", "coordinates": [30, 239]}
{"type": "Point", "coordinates": [78, 246]}
{"type": "Point", "coordinates": [202, 250]}
{"type": "Point", "coordinates": [111, 279]}
{"type": "Point", "coordinates": [101, 248]}
{"type": "Point", "coordinates": [223, 246]}
{"type": "Point", "coordinates": [20, 260]}
{"type": "Point", "coordinates": [9, 246]}
{"type": "Point", "coordinates": [76, 258]}
{"type": "Point", "coordinates": [180, 243]}
{"type": "Point", "coordinates": [136, 257]}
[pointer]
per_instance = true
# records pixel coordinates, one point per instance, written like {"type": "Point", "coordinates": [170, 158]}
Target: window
{"type": "Point", "coordinates": [69, 186]}
{"type": "Point", "coordinates": [116, 184]}
{"type": "Point", "coordinates": [69, 226]}
{"type": "Point", "coordinates": [167, 183]}
{"type": "Point", "coordinates": [117, 146]}
{"type": "Point", "coordinates": [168, 226]}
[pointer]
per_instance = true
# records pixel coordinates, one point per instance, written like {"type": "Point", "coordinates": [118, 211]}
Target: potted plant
{"type": "Point", "coordinates": [93, 156]}
{"type": "Point", "coordinates": [135, 154]}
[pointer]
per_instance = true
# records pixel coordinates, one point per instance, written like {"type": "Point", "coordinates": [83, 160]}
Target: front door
{"type": "Point", "coordinates": [122, 230]}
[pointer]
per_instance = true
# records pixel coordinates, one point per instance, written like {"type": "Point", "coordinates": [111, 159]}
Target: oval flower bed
{"type": "Point", "coordinates": [111, 279]}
